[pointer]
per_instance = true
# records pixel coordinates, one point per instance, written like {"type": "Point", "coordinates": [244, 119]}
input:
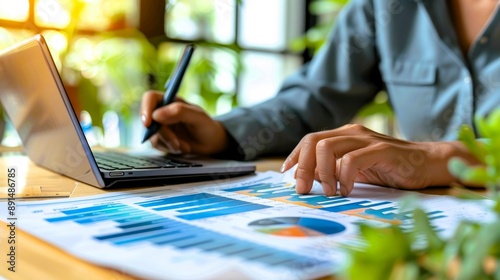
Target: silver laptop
{"type": "Point", "coordinates": [35, 100]}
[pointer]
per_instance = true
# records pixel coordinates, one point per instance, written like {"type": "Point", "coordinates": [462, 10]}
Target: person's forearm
{"type": "Point", "coordinates": [270, 128]}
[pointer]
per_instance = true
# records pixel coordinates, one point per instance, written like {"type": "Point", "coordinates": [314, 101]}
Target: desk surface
{"type": "Point", "coordinates": [39, 260]}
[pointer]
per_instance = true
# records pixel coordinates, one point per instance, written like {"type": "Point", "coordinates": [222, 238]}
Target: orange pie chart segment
{"type": "Point", "coordinates": [296, 226]}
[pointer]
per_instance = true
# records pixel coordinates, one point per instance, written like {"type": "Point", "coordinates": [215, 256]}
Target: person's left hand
{"type": "Point", "coordinates": [355, 153]}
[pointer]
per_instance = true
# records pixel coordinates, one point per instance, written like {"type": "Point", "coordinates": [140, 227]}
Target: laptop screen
{"type": "Point", "coordinates": [35, 100]}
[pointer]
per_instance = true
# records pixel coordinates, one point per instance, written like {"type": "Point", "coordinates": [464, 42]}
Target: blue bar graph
{"type": "Point", "coordinates": [135, 226]}
{"type": "Point", "coordinates": [201, 206]}
{"type": "Point", "coordinates": [354, 205]}
{"type": "Point", "coordinates": [90, 212]}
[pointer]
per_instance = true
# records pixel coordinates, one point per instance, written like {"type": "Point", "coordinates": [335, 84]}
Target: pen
{"type": "Point", "coordinates": [171, 88]}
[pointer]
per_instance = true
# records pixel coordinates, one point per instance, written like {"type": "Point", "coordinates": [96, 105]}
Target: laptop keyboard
{"type": "Point", "coordinates": [117, 161]}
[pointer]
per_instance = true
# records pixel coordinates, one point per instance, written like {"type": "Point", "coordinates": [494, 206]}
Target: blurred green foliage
{"type": "Point", "coordinates": [201, 75]}
{"type": "Point", "coordinates": [487, 151]}
{"type": "Point", "coordinates": [472, 252]}
{"type": "Point", "coordinates": [326, 12]}
{"type": "Point", "coordinates": [109, 71]}
{"type": "Point", "coordinates": [123, 64]}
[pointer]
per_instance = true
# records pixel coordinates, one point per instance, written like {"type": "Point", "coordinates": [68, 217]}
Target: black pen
{"type": "Point", "coordinates": [171, 88]}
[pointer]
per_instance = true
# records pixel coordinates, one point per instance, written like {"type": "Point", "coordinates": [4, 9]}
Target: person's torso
{"type": "Point", "coordinates": [433, 86]}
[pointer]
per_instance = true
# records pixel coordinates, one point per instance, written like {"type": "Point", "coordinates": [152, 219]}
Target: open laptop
{"type": "Point", "coordinates": [34, 97]}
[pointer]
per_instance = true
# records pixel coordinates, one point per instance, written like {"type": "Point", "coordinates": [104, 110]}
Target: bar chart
{"type": "Point", "coordinates": [385, 211]}
{"type": "Point", "coordinates": [259, 228]}
{"type": "Point", "coordinates": [134, 226]}
{"type": "Point", "coordinates": [201, 206]}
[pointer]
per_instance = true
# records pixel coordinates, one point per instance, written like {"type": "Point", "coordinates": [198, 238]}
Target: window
{"type": "Point", "coordinates": [14, 11]}
{"type": "Point", "coordinates": [260, 31]}
{"type": "Point", "coordinates": [110, 51]}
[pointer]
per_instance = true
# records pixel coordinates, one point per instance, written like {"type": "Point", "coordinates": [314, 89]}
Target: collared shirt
{"type": "Point", "coordinates": [408, 48]}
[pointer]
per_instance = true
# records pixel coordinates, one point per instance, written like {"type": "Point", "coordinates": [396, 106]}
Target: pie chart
{"type": "Point", "coordinates": [296, 226]}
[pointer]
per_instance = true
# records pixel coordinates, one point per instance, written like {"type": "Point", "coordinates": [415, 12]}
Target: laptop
{"type": "Point", "coordinates": [36, 102]}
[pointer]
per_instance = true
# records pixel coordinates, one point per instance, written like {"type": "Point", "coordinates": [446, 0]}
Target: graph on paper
{"type": "Point", "coordinates": [136, 226]}
{"type": "Point", "coordinates": [201, 205]}
{"type": "Point", "coordinates": [385, 211]}
{"type": "Point", "coordinates": [260, 228]}
{"type": "Point", "coordinates": [296, 226]}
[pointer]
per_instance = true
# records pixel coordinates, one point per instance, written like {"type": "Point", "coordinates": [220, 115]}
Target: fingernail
{"type": "Point", "coordinates": [282, 169]}
{"type": "Point", "coordinates": [343, 191]}
{"type": "Point", "coordinates": [143, 118]}
{"type": "Point", "coordinates": [300, 186]}
{"type": "Point", "coordinates": [328, 189]}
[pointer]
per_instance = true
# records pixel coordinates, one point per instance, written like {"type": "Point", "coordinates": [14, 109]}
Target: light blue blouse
{"type": "Point", "coordinates": [408, 48]}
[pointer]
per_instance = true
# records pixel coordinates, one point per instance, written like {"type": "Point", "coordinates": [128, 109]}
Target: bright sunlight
{"type": "Point", "coordinates": [14, 10]}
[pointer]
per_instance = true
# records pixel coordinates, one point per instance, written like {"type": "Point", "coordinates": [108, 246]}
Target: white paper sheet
{"type": "Point", "coordinates": [257, 226]}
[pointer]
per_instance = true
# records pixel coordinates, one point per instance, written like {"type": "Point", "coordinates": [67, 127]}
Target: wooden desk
{"type": "Point", "coordinates": [39, 260]}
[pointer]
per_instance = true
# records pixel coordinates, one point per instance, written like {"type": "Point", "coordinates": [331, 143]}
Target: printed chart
{"type": "Point", "coordinates": [201, 206]}
{"type": "Point", "coordinates": [259, 227]}
{"type": "Point", "coordinates": [372, 209]}
{"type": "Point", "coordinates": [135, 226]}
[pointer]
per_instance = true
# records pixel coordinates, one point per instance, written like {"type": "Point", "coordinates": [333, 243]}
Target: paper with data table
{"type": "Point", "coordinates": [256, 227]}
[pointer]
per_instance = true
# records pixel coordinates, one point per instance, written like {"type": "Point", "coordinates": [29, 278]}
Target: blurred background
{"type": "Point", "coordinates": [109, 52]}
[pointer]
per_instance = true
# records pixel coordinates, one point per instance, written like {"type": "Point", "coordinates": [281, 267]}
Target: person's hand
{"type": "Point", "coordinates": [355, 153]}
{"type": "Point", "coordinates": [186, 128]}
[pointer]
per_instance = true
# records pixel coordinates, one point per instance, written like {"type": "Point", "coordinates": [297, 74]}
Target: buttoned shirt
{"type": "Point", "coordinates": [408, 48]}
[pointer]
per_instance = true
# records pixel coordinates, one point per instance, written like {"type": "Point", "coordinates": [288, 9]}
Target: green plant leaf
{"type": "Point", "coordinates": [467, 174]}
{"type": "Point", "coordinates": [325, 7]}
{"type": "Point", "coordinates": [478, 248]}
{"type": "Point", "coordinates": [424, 227]}
{"type": "Point", "coordinates": [453, 249]}
{"type": "Point", "coordinates": [466, 135]}
{"type": "Point", "coordinates": [493, 122]}
{"type": "Point", "coordinates": [375, 109]}
{"type": "Point", "coordinates": [496, 208]}
{"type": "Point", "coordinates": [408, 270]}
{"type": "Point", "coordinates": [374, 260]}
{"type": "Point", "coordinates": [482, 127]}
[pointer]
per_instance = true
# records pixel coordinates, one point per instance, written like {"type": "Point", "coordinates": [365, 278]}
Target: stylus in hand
{"type": "Point", "coordinates": [172, 87]}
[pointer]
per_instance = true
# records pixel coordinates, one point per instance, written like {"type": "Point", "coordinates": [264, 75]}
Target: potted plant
{"type": "Point", "coordinates": [472, 252]}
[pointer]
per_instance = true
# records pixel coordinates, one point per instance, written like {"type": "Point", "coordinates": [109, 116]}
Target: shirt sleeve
{"type": "Point", "coordinates": [324, 94]}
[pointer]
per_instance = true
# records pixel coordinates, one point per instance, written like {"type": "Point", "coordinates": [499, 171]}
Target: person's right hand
{"type": "Point", "coordinates": [186, 128]}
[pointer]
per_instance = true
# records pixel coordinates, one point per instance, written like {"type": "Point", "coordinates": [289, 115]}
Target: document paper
{"type": "Point", "coordinates": [257, 226]}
